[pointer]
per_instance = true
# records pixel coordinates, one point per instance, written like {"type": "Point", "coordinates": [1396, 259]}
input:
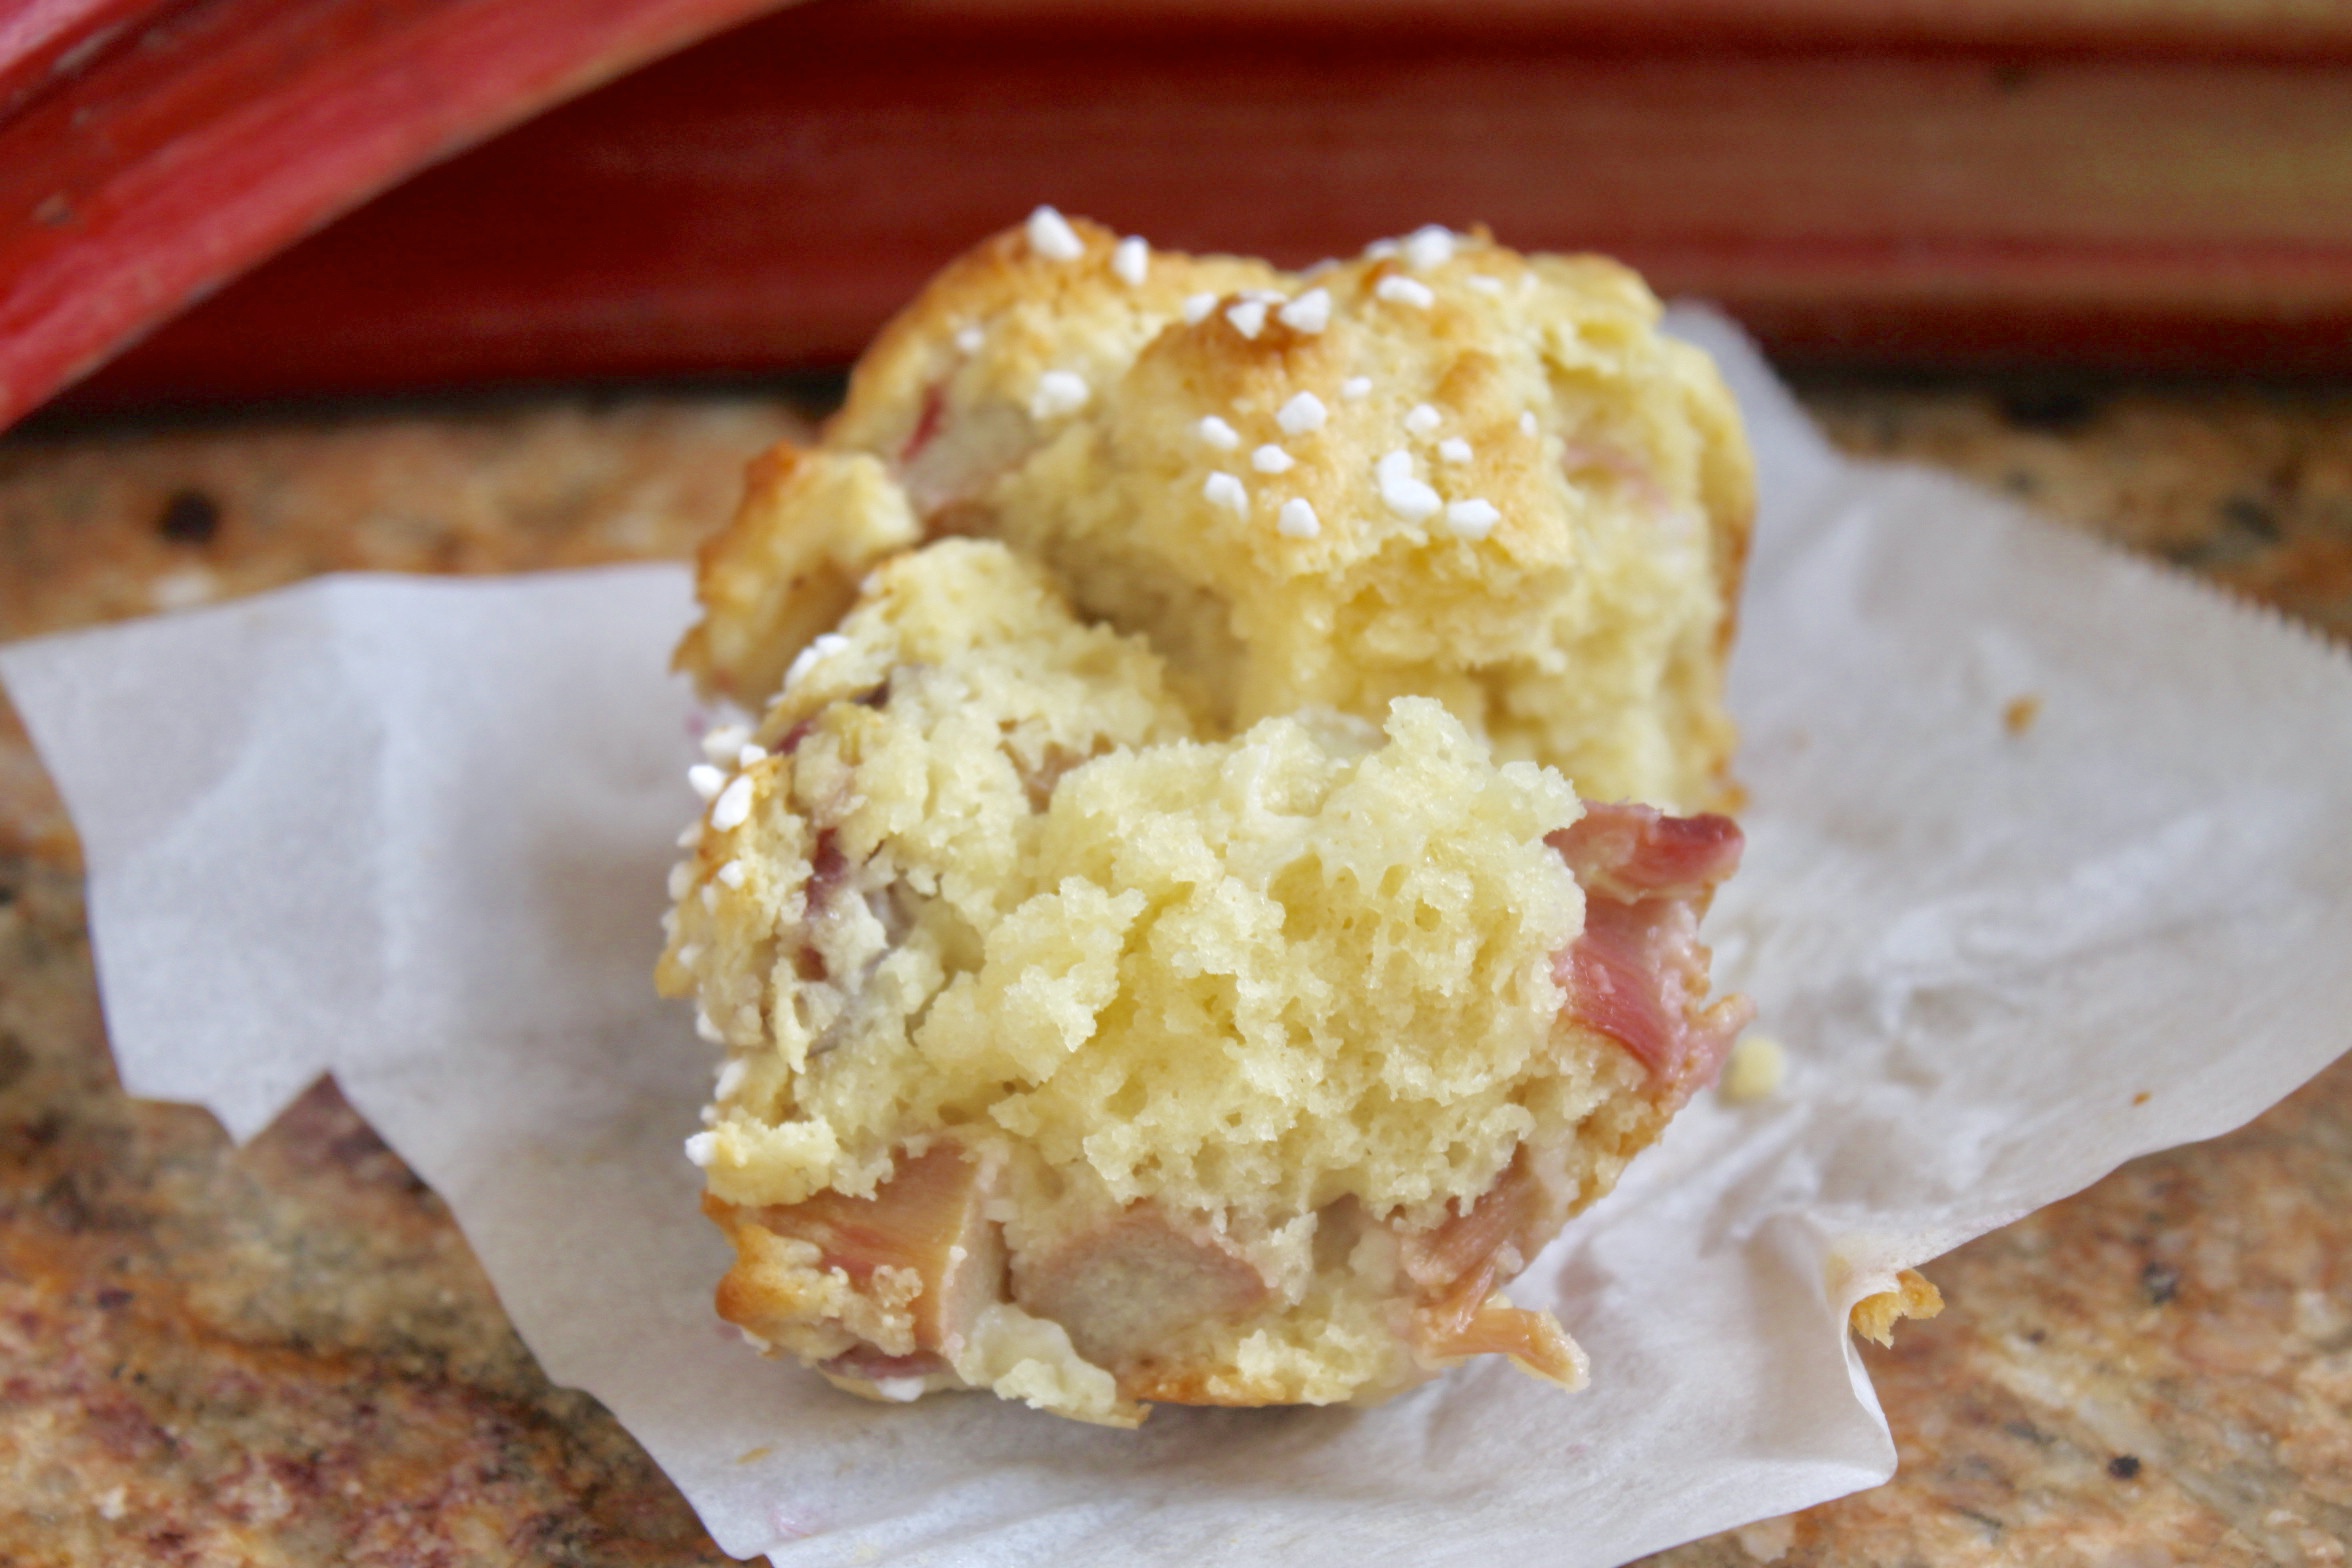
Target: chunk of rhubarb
{"type": "Point", "coordinates": [1638, 973]}
{"type": "Point", "coordinates": [1457, 1266]}
{"type": "Point", "coordinates": [1629, 853]}
{"type": "Point", "coordinates": [1458, 1263]}
{"type": "Point", "coordinates": [1534, 1341]}
{"type": "Point", "coordinates": [926, 424]}
{"type": "Point", "coordinates": [150, 152]}
{"type": "Point", "coordinates": [1127, 1289]}
{"type": "Point", "coordinates": [927, 1218]}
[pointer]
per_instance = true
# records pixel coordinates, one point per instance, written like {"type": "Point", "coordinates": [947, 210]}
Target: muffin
{"type": "Point", "coordinates": [1164, 940]}
{"type": "Point", "coordinates": [1439, 470]}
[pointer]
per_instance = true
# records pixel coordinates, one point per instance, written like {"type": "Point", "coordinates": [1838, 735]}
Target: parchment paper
{"type": "Point", "coordinates": [414, 832]}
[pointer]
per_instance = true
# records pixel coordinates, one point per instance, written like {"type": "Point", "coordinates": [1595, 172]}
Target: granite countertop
{"type": "Point", "coordinates": [286, 1354]}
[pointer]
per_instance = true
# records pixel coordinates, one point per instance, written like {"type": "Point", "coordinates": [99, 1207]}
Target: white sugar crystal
{"type": "Point", "coordinates": [1248, 317]}
{"type": "Point", "coordinates": [1059, 392]}
{"type": "Point", "coordinates": [681, 881]}
{"type": "Point", "coordinates": [710, 898]}
{"type": "Point", "coordinates": [1432, 246]}
{"type": "Point", "coordinates": [1218, 434]}
{"type": "Point", "coordinates": [1223, 489]}
{"type": "Point", "coordinates": [1527, 424]}
{"type": "Point", "coordinates": [1405, 495]}
{"type": "Point", "coordinates": [750, 755]}
{"type": "Point", "coordinates": [690, 836]}
{"type": "Point", "coordinates": [1310, 312]}
{"type": "Point", "coordinates": [1411, 500]}
{"type": "Point", "coordinates": [1302, 415]}
{"type": "Point", "coordinates": [723, 741]}
{"type": "Point", "coordinates": [1197, 308]}
{"type": "Point", "coordinates": [1355, 387]}
{"type": "Point", "coordinates": [1454, 449]}
{"type": "Point", "coordinates": [731, 1078]}
{"type": "Point", "coordinates": [732, 874]}
{"type": "Point", "coordinates": [733, 807]}
{"type": "Point", "coordinates": [1051, 236]}
{"type": "Point", "coordinates": [1131, 261]}
{"type": "Point", "coordinates": [704, 1029]}
{"type": "Point", "coordinates": [1472, 519]}
{"type": "Point", "coordinates": [1423, 420]}
{"type": "Point", "coordinates": [1405, 291]}
{"type": "Point", "coordinates": [823, 647]}
{"type": "Point", "coordinates": [1486, 285]}
{"type": "Point", "coordinates": [1297, 520]}
{"type": "Point", "coordinates": [1380, 250]}
{"type": "Point", "coordinates": [969, 339]}
{"type": "Point", "coordinates": [1271, 459]}
{"type": "Point", "coordinates": [703, 1148]}
{"type": "Point", "coordinates": [707, 780]}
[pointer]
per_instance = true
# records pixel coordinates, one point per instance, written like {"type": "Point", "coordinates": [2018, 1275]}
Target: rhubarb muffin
{"type": "Point", "coordinates": [1440, 469]}
{"type": "Point", "coordinates": [1088, 1047]}
{"type": "Point", "coordinates": [1202, 900]}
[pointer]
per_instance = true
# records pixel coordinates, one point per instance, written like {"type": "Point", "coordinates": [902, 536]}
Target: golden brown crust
{"type": "Point", "coordinates": [788, 566]}
{"type": "Point", "coordinates": [1035, 314]}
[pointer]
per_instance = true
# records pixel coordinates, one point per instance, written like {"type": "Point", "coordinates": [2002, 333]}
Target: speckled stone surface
{"type": "Point", "coordinates": [286, 1354]}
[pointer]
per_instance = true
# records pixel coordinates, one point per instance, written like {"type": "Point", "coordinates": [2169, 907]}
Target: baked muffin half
{"type": "Point", "coordinates": [1441, 470]}
{"type": "Point", "coordinates": [1160, 950]}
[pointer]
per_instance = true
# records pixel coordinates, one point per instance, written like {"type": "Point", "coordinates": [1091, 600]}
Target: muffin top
{"type": "Point", "coordinates": [1440, 470]}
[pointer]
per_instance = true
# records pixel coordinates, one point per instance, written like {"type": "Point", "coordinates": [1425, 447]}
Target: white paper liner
{"type": "Point", "coordinates": [414, 832]}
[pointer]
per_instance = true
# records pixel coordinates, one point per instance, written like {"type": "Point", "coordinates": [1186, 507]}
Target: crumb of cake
{"type": "Point", "coordinates": [1875, 1317]}
{"type": "Point", "coordinates": [1754, 1070]}
{"type": "Point", "coordinates": [2019, 714]}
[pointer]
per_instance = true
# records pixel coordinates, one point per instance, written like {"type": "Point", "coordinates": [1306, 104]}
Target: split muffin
{"type": "Point", "coordinates": [1208, 891]}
